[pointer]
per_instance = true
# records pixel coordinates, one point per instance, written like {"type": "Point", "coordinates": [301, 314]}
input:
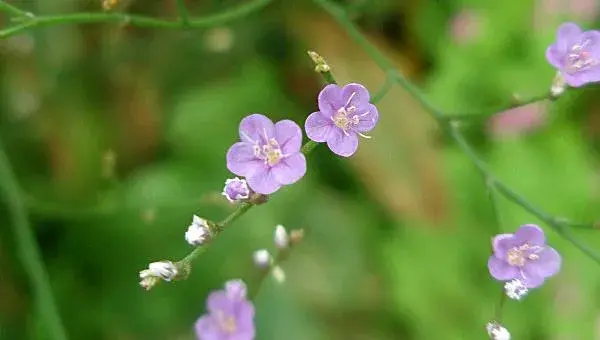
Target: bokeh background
{"type": "Point", "coordinates": [118, 135]}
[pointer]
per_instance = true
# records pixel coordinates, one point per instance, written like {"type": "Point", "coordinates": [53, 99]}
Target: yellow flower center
{"type": "Point", "coordinates": [270, 152]}
{"type": "Point", "coordinates": [226, 323]}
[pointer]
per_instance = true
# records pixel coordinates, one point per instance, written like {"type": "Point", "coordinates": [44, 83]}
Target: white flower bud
{"type": "Point", "coordinates": [198, 232]}
{"type": "Point", "coordinates": [496, 331]}
{"type": "Point", "coordinates": [278, 274]}
{"type": "Point", "coordinates": [282, 239]}
{"type": "Point", "coordinates": [165, 270]}
{"type": "Point", "coordinates": [262, 258]}
{"type": "Point", "coordinates": [515, 289]}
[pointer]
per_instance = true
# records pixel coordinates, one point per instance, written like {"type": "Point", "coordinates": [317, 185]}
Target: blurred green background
{"type": "Point", "coordinates": [118, 135]}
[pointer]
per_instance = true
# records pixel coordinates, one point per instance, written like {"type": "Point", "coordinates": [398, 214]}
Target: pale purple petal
{"type": "Point", "coordinates": [342, 144]}
{"type": "Point", "coordinates": [501, 270]}
{"type": "Point", "coordinates": [256, 127]}
{"type": "Point", "coordinates": [263, 182]}
{"type": "Point", "coordinates": [219, 301]}
{"type": "Point", "coordinates": [330, 100]}
{"type": "Point", "coordinates": [242, 161]}
{"type": "Point", "coordinates": [290, 169]}
{"type": "Point", "coordinates": [206, 329]}
{"type": "Point", "coordinates": [548, 264]}
{"type": "Point", "coordinates": [318, 127]}
{"type": "Point", "coordinates": [245, 317]}
{"type": "Point", "coordinates": [501, 243]}
{"type": "Point", "coordinates": [355, 95]}
{"type": "Point", "coordinates": [235, 289]}
{"type": "Point", "coordinates": [567, 34]}
{"type": "Point", "coordinates": [531, 234]}
{"type": "Point", "coordinates": [556, 56]}
{"type": "Point", "coordinates": [289, 136]}
{"type": "Point", "coordinates": [575, 80]}
{"type": "Point", "coordinates": [531, 277]}
{"type": "Point", "coordinates": [367, 119]}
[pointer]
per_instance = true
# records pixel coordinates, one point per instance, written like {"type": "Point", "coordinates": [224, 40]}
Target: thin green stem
{"type": "Point", "coordinates": [387, 86]}
{"type": "Point", "coordinates": [450, 129]}
{"type": "Point", "coordinates": [482, 115]}
{"type": "Point", "coordinates": [5, 7]}
{"type": "Point", "coordinates": [184, 15]}
{"type": "Point", "coordinates": [27, 249]}
{"type": "Point", "coordinates": [491, 191]}
{"type": "Point", "coordinates": [135, 20]}
{"type": "Point", "coordinates": [500, 306]}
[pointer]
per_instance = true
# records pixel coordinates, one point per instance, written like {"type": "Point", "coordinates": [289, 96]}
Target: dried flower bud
{"type": "Point", "coordinates": [164, 270]}
{"type": "Point", "coordinates": [282, 239]}
{"type": "Point", "coordinates": [496, 331]}
{"type": "Point", "coordinates": [198, 232]}
{"type": "Point", "coordinates": [262, 258]}
{"type": "Point", "coordinates": [558, 85]}
{"type": "Point", "coordinates": [296, 236]}
{"type": "Point", "coordinates": [515, 289]}
{"type": "Point", "coordinates": [321, 65]}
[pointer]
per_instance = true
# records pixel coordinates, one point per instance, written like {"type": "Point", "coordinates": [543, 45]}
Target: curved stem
{"type": "Point", "coordinates": [135, 20]}
{"type": "Point", "coordinates": [450, 129]}
{"type": "Point", "coordinates": [8, 8]}
{"type": "Point", "coordinates": [488, 113]}
{"type": "Point", "coordinates": [184, 15]}
{"type": "Point", "coordinates": [27, 249]}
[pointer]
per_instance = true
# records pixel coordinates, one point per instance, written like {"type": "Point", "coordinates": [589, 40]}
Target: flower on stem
{"type": "Point", "coordinates": [198, 232]}
{"type": "Point", "coordinates": [165, 270]}
{"type": "Point", "coordinates": [344, 114]}
{"type": "Point", "coordinates": [496, 331]}
{"type": "Point", "coordinates": [268, 154]}
{"type": "Point", "coordinates": [515, 289]}
{"type": "Point", "coordinates": [236, 189]}
{"type": "Point", "coordinates": [230, 315]}
{"type": "Point", "coordinates": [523, 255]}
{"type": "Point", "coordinates": [576, 55]}
{"type": "Point", "coordinates": [281, 237]}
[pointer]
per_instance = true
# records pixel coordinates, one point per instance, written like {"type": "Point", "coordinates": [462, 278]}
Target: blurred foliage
{"type": "Point", "coordinates": [397, 238]}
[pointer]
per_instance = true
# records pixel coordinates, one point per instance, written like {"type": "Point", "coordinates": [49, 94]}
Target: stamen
{"type": "Point", "coordinates": [363, 135]}
{"type": "Point", "coordinates": [350, 99]}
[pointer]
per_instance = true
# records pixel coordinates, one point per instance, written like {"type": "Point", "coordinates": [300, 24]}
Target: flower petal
{"type": "Point", "coordinates": [556, 56]}
{"type": "Point", "coordinates": [218, 301]}
{"type": "Point", "coordinates": [318, 127]}
{"type": "Point", "coordinates": [263, 182]}
{"type": "Point", "coordinates": [501, 270]}
{"type": "Point", "coordinates": [532, 234]}
{"type": "Point", "coordinates": [330, 100]}
{"type": "Point", "coordinates": [501, 243]}
{"type": "Point", "coordinates": [530, 277]}
{"type": "Point", "coordinates": [567, 35]}
{"type": "Point", "coordinates": [256, 127]}
{"type": "Point", "coordinates": [290, 169]}
{"type": "Point", "coordinates": [547, 265]}
{"type": "Point", "coordinates": [577, 79]}
{"type": "Point", "coordinates": [342, 144]}
{"type": "Point", "coordinates": [367, 119]}
{"type": "Point", "coordinates": [245, 319]}
{"type": "Point", "coordinates": [289, 136]}
{"type": "Point", "coordinates": [207, 328]}
{"type": "Point", "coordinates": [241, 160]}
{"type": "Point", "coordinates": [355, 95]}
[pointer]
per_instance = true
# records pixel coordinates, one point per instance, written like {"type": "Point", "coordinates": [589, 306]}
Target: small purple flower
{"type": "Point", "coordinates": [236, 189]}
{"type": "Point", "coordinates": [525, 256]}
{"type": "Point", "coordinates": [576, 54]}
{"type": "Point", "coordinates": [344, 114]}
{"type": "Point", "coordinates": [230, 315]}
{"type": "Point", "coordinates": [268, 155]}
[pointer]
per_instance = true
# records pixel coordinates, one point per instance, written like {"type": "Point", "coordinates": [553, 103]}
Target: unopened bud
{"type": "Point", "coordinates": [262, 258]}
{"type": "Point", "coordinates": [321, 65]}
{"type": "Point", "coordinates": [282, 239]}
{"type": "Point", "coordinates": [558, 85]}
{"type": "Point", "coordinates": [278, 274]}
{"type": "Point", "coordinates": [198, 232]}
{"type": "Point", "coordinates": [296, 236]}
{"type": "Point", "coordinates": [165, 270]}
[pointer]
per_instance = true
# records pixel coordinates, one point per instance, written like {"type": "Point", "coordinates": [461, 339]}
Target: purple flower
{"type": "Point", "coordinates": [230, 315]}
{"type": "Point", "coordinates": [576, 54]}
{"type": "Point", "coordinates": [525, 256]}
{"type": "Point", "coordinates": [236, 189]}
{"type": "Point", "coordinates": [344, 114]}
{"type": "Point", "coordinates": [268, 155]}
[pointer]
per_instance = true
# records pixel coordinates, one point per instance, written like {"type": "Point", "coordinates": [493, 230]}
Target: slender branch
{"type": "Point", "coordinates": [184, 15]}
{"type": "Point", "coordinates": [491, 191]}
{"type": "Point", "coordinates": [488, 113]}
{"type": "Point", "coordinates": [387, 66]}
{"type": "Point", "coordinates": [135, 20]}
{"type": "Point", "coordinates": [27, 249]}
{"type": "Point", "coordinates": [387, 86]}
{"type": "Point", "coordinates": [5, 7]}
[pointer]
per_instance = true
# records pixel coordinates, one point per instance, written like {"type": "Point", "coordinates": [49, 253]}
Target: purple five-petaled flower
{"type": "Point", "coordinates": [576, 55]}
{"type": "Point", "coordinates": [268, 154]}
{"type": "Point", "coordinates": [230, 315]}
{"type": "Point", "coordinates": [344, 114]}
{"type": "Point", "coordinates": [523, 255]}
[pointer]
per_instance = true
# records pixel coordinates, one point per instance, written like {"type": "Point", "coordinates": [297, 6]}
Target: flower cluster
{"type": "Point", "coordinates": [269, 154]}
